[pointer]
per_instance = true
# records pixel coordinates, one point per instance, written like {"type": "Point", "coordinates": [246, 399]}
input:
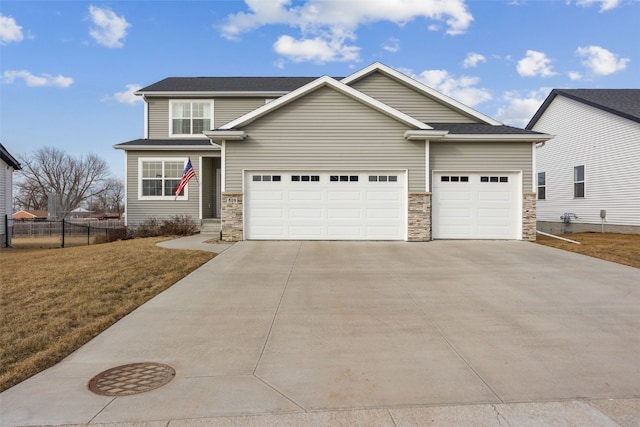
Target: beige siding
{"type": "Point", "coordinates": [325, 130]}
{"type": "Point", "coordinates": [139, 210]}
{"type": "Point", "coordinates": [228, 109]}
{"type": "Point", "coordinates": [408, 100]}
{"type": "Point", "coordinates": [158, 118]}
{"type": "Point", "coordinates": [224, 111]}
{"type": "Point", "coordinates": [483, 156]}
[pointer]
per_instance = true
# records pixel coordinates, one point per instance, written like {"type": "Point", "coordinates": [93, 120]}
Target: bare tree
{"type": "Point", "coordinates": [110, 198]}
{"type": "Point", "coordinates": [73, 180]}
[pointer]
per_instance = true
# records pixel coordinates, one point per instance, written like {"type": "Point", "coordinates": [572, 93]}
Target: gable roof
{"type": "Point", "coordinates": [9, 159]}
{"type": "Point", "coordinates": [422, 88]}
{"type": "Point", "coordinates": [225, 85]}
{"type": "Point", "coordinates": [324, 81]}
{"type": "Point", "coordinates": [621, 102]}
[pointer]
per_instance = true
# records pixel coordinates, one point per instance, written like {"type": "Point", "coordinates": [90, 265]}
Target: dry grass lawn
{"type": "Point", "coordinates": [52, 301]}
{"type": "Point", "coordinates": [620, 248]}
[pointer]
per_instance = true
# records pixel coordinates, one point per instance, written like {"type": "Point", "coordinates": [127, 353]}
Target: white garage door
{"type": "Point", "coordinates": [311, 205]}
{"type": "Point", "coordinates": [476, 205]}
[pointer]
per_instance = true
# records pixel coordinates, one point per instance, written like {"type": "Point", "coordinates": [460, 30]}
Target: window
{"type": "Point", "coordinates": [160, 177]}
{"type": "Point", "coordinates": [542, 185]}
{"type": "Point", "coordinates": [494, 179]}
{"type": "Point", "coordinates": [578, 182]}
{"type": "Point", "coordinates": [383, 178]}
{"type": "Point", "coordinates": [343, 178]}
{"type": "Point", "coordinates": [305, 178]}
{"type": "Point", "coordinates": [446, 178]}
{"type": "Point", "coordinates": [266, 178]}
{"type": "Point", "coordinates": [190, 117]}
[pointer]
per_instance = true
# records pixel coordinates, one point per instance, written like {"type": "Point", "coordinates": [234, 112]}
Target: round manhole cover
{"type": "Point", "coordinates": [131, 379]}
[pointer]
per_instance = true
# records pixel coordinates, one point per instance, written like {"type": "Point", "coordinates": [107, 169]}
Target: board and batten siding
{"type": "Point", "coordinates": [325, 130]}
{"type": "Point", "coordinates": [224, 111]}
{"type": "Point", "coordinates": [140, 210]}
{"type": "Point", "coordinates": [609, 148]}
{"type": "Point", "coordinates": [483, 156]}
{"type": "Point", "coordinates": [408, 100]}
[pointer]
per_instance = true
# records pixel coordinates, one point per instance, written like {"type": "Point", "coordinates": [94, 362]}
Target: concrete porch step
{"type": "Point", "coordinates": [210, 225]}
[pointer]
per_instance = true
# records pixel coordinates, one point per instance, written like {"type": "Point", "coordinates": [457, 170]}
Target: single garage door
{"type": "Point", "coordinates": [309, 205]}
{"type": "Point", "coordinates": [476, 205]}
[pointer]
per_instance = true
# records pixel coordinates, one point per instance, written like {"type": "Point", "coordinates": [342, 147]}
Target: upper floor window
{"type": "Point", "coordinates": [542, 185]}
{"type": "Point", "coordinates": [159, 178]}
{"type": "Point", "coordinates": [578, 181]}
{"type": "Point", "coordinates": [190, 117]}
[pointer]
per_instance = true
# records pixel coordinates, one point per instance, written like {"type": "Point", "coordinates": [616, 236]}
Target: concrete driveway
{"type": "Point", "coordinates": [314, 333]}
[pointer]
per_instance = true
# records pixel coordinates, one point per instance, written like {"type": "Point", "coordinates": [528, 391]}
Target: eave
{"type": "Point", "coordinates": [220, 136]}
{"type": "Point", "coordinates": [213, 94]}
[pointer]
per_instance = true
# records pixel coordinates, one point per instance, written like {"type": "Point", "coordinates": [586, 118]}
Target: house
{"type": "Point", "coordinates": [372, 156]}
{"type": "Point", "coordinates": [8, 164]}
{"type": "Point", "coordinates": [37, 215]}
{"type": "Point", "coordinates": [588, 177]}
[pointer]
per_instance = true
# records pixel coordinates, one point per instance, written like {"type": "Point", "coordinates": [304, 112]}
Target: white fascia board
{"type": "Point", "coordinates": [225, 135]}
{"type": "Point", "coordinates": [498, 137]}
{"type": "Point", "coordinates": [334, 84]}
{"type": "Point", "coordinates": [394, 74]}
{"type": "Point", "coordinates": [168, 147]}
{"type": "Point", "coordinates": [212, 94]}
{"type": "Point", "coordinates": [421, 135]}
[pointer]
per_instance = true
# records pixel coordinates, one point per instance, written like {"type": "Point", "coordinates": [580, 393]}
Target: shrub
{"type": "Point", "coordinates": [177, 225]}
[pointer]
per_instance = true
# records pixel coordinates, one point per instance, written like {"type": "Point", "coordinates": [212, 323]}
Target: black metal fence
{"type": "Point", "coordinates": [61, 233]}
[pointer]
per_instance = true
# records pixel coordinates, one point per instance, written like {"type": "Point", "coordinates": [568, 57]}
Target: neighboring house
{"type": "Point", "coordinates": [8, 164]}
{"type": "Point", "coordinates": [37, 215]}
{"type": "Point", "coordinates": [373, 156]}
{"type": "Point", "coordinates": [593, 163]}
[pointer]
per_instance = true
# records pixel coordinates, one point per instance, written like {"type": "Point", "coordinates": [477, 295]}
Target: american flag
{"type": "Point", "coordinates": [186, 176]}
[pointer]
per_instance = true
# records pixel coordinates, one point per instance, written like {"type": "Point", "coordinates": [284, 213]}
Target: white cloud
{"type": "Point", "coordinates": [601, 61]}
{"type": "Point", "coordinates": [31, 80]}
{"type": "Point", "coordinates": [334, 21]}
{"type": "Point", "coordinates": [604, 4]}
{"type": "Point", "coordinates": [462, 89]}
{"type": "Point", "coordinates": [126, 96]}
{"type": "Point", "coordinates": [315, 49]}
{"type": "Point", "coordinates": [535, 64]}
{"type": "Point", "coordinates": [473, 59]}
{"type": "Point", "coordinates": [519, 109]}
{"type": "Point", "coordinates": [392, 44]}
{"type": "Point", "coordinates": [574, 75]}
{"type": "Point", "coordinates": [10, 31]}
{"type": "Point", "coordinates": [108, 28]}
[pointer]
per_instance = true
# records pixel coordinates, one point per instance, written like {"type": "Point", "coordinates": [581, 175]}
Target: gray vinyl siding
{"type": "Point", "coordinates": [408, 100]}
{"type": "Point", "coordinates": [158, 118]}
{"type": "Point", "coordinates": [483, 156]}
{"type": "Point", "coordinates": [140, 210]}
{"type": "Point", "coordinates": [228, 109]}
{"type": "Point", "coordinates": [325, 130]}
{"type": "Point", "coordinates": [224, 111]}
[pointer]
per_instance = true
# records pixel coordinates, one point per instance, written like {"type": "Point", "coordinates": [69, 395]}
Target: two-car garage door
{"type": "Point", "coordinates": [308, 205]}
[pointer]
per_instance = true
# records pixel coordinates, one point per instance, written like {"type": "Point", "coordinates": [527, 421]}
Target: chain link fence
{"type": "Point", "coordinates": [61, 233]}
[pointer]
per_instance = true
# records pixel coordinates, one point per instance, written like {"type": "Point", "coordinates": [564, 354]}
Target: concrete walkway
{"type": "Point", "coordinates": [453, 333]}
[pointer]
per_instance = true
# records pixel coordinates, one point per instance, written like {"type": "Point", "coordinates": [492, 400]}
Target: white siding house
{"type": "Point", "coordinates": [8, 164]}
{"type": "Point", "coordinates": [592, 164]}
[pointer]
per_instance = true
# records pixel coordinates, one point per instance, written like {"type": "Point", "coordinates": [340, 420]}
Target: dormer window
{"type": "Point", "coordinates": [189, 118]}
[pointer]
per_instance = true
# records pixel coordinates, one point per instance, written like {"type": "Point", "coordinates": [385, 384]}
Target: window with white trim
{"type": "Point", "coordinates": [578, 182]}
{"type": "Point", "coordinates": [159, 178]}
{"type": "Point", "coordinates": [190, 118]}
{"type": "Point", "coordinates": [542, 185]}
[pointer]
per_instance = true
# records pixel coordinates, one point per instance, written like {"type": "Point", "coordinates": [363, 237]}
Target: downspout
{"type": "Point", "coordinates": [557, 237]}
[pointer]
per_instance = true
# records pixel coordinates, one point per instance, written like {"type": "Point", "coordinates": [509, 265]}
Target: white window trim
{"type": "Point", "coordinates": [190, 135]}
{"type": "Point", "coordinates": [583, 182]}
{"type": "Point", "coordinates": [538, 185]}
{"type": "Point", "coordinates": [161, 159]}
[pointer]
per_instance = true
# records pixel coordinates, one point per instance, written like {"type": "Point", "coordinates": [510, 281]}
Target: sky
{"type": "Point", "coordinates": [68, 69]}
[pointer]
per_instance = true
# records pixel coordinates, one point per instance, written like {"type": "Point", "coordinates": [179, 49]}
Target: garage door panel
{"type": "Point", "coordinates": [305, 195]}
{"type": "Point", "coordinates": [305, 213]}
{"type": "Point", "coordinates": [503, 214]}
{"type": "Point", "coordinates": [337, 213]}
{"type": "Point", "coordinates": [328, 205]}
{"type": "Point", "coordinates": [455, 195]}
{"type": "Point", "coordinates": [501, 196]}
